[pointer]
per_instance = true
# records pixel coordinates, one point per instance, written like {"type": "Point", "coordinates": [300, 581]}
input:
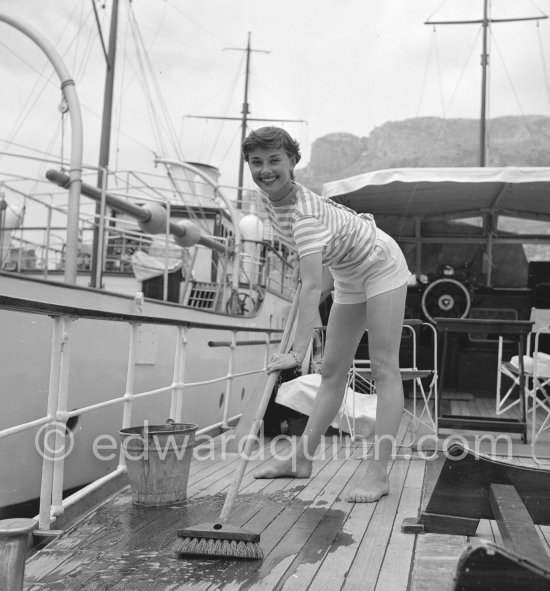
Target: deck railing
{"type": "Point", "coordinates": [54, 422]}
{"type": "Point", "coordinates": [39, 250]}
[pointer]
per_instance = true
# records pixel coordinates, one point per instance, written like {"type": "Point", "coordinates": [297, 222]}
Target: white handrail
{"type": "Point", "coordinates": [75, 169]}
{"type": "Point", "coordinates": [52, 503]}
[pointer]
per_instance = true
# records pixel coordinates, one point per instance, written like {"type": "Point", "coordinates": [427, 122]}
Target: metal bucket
{"type": "Point", "coordinates": [158, 458]}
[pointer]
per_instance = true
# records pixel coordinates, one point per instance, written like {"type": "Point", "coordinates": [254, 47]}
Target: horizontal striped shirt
{"type": "Point", "coordinates": [309, 223]}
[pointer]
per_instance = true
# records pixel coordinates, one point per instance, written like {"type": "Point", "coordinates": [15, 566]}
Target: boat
{"type": "Point", "coordinates": [477, 241]}
{"type": "Point", "coordinates": [310, 535]}
{"type": "Point", "coordinates": [125, 296]}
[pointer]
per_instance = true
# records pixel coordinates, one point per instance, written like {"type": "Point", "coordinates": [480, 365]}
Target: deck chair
{"type": "Point", "coordinates": [537, 380]}
{"type": "Point", "coordinates": [424, 381]}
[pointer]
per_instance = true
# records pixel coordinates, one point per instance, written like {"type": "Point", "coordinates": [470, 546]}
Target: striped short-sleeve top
{"type": "Point", "coordinates": [309, 223]}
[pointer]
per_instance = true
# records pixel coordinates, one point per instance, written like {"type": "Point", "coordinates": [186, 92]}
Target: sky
{"type": "Point", "coordinates": [332, 65]}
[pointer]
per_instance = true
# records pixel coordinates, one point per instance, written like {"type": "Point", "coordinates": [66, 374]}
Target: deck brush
{"type": "Point", "coordinates": [222, 539]}
{"type": "Point", "coordinates": [219, 540]}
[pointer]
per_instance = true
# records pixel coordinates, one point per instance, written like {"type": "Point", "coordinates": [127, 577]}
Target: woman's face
{"type": "Point", "coordinates": [271, 170]}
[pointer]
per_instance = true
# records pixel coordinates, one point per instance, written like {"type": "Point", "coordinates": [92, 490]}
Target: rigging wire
{"type": "Point", "coordinates": [439, 77]}
{"type": "Point", "coordinates": [259, 84]}
{"type": "Point", "coordinates": [543, 63]}
{"type": "Point", "coordinates": [236, 135]}
{"type": "Point", "coordinates": [431, 51]}
{"type": "Point", "coordinates": [463, 71]}
{"type": "Point", "coordinates": [145, 62]}
{"type": "Point", "coordinates": [147, 94]}
{"type": "Point", "coordinates": [48, 79]}
{"type": "Point", "coordinates": [221, 124]}
{"type": "Point", "coordinates": [99, 30]}
{"type": "Point", "coordinates": [118, 111]}
{"type": "Point", "coordinates": [196, 23]}
{"type": "Point", "coordinates": [37, 91]}
{"type": "Point", "coordinates": [230, 96]}
{"type": "Point", "coordinates": [80, 69]}
{"type": "Point", "coordinates": [437, 10]}
{"type": "Point", "coordinates": [434, 54]}
{"type": "Point", "coordinates": [514, 92]}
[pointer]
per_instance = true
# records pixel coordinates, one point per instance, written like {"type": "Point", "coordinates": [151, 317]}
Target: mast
{"type": "Point", "coordinates": [244, 119]}
{"type": "Point", "coordinates": [105, 144]}
{"type": "Point", "coordinates": [485, 22]}
{"type": "Point", "coordinates": [484, 65]}
{"type": "Point", "coordinates": [244, 112]}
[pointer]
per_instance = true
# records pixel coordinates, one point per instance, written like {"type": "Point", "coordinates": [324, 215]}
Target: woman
{"type": "Point", "coordinates": [370, 283]}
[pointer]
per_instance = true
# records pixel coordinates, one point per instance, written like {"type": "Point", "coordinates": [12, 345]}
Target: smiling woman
{"type": "Point", "coordinates": [272, 156]}
{"type": "Point", "coordinates": [370, 276]}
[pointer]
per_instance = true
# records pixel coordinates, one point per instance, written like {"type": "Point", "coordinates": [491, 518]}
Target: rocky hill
{"type": "Point", "coordinates": [428, 141]}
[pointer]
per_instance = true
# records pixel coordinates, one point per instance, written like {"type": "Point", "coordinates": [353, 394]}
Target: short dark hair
{"type": "Point", "coordinates": [271, 137]}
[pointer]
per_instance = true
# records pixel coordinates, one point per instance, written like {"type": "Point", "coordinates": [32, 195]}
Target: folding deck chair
{"type": "Point", "coordinates": [537, 380]}
{"type": "Point", "coordinates": [424, 381]}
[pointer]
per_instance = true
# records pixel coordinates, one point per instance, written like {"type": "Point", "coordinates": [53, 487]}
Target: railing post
{"type": "Point", "coordinates": [165, 274]}
{"type": "Point", "coordinates": [60, 452]}
{"type": "Point", "coordinates": [179, 374]}
{"type": "Point", "coordinates": [130, 377]}
{"type": "Point", "coordinates": [229, 382]}
{"type": "Point", "coordinates": [101, 230]}
{"type": "Point", "coordinates": [47, 241]}
{"type": "Point", "coordinates": [267, 348]}
{"type": "Point", "coordinates": [53, 393]}
{"type": "Point", "coordinates": [130, 387]}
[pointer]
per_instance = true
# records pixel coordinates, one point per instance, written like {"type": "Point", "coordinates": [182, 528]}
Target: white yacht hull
{"type": "Point", "coordinates": [99, 351]}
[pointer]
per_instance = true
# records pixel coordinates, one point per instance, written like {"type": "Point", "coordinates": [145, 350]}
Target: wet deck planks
{"type": "Point", "coordinates": [311, 537]}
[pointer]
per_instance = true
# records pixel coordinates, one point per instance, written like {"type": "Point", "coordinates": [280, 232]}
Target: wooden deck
{"type": "Point", "coordinates": [311, 537]}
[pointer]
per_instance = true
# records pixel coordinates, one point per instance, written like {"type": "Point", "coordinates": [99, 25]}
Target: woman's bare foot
{"type": "Point", "coordinates": [286, 469]}
{"type": "Point", "coordinates": [374, 484]}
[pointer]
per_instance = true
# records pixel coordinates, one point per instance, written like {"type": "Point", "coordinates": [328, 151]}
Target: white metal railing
{"type": "Point", "coordinates": [52, 503]}
{"type": "Point", "coordinates": [40, 249]}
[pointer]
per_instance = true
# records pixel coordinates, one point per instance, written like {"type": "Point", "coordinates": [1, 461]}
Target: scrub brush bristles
{"type": "Point", "coordinates": [220, 548]}
{"type": "Point", "coordinates": [221, 540]}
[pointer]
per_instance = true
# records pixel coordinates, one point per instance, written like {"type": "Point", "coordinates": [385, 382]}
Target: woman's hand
{"type": "Point", "coordinates": [281, 361]}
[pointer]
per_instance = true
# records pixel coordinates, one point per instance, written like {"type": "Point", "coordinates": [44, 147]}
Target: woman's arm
{"type": "Point", "coordinates": [311, 275]}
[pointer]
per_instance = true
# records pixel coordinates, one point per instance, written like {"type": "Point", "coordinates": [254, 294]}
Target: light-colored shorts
{"type": "Point", "coordinates": [383, 270]}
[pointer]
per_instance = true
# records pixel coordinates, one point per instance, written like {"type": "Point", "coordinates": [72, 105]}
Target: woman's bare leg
{"type": "Point", "coordinates": [345, 328]}
{"type": "Point", "coordinates": [384, 322]}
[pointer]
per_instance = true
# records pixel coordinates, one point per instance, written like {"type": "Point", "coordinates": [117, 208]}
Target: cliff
{"type": "Point", "coordinates": [428, 142]}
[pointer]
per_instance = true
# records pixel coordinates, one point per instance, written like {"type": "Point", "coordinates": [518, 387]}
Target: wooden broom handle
{"type": "Point", "coordinates": [260, 411]}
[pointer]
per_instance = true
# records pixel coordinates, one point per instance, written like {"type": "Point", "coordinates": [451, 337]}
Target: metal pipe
{"type": "Point", "coordinates": [142, 214]}
{"type": "Point", "coordinates": [61, 451]}
{"type": "Point", "coordinates": [179, 374]}
{"type": "Point", "coordinates": [105, 144]}
{"type": "Point", "coordinates": [99, 235]}
{"type": "Point", "coordinates": [46, 485]}
{"type": "Point", "coordinates": [81, 494]}
{"type": "Point", "coordinates": [484, 65]}
{"type": "Point", "coordinates": [228, 204]}
{"type": "Point", "coordinates": [229, 382]}
{"type": "Point", "coordinates": [14, 540]}
{"type": "Point", "coordinates": [75, 168]}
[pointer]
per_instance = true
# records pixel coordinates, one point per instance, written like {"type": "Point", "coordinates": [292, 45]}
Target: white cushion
{"type": "Point", "coordinates": [299, 394]}
{"type": "Point", "coordinates": [543, 364]}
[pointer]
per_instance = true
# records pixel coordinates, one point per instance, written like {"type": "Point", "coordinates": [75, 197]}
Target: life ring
{"type": "Point", "coordinates": [446, 298]}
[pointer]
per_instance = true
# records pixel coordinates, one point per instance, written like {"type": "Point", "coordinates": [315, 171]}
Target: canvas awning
{"type": "Point", "coordinates": [447, 192]}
